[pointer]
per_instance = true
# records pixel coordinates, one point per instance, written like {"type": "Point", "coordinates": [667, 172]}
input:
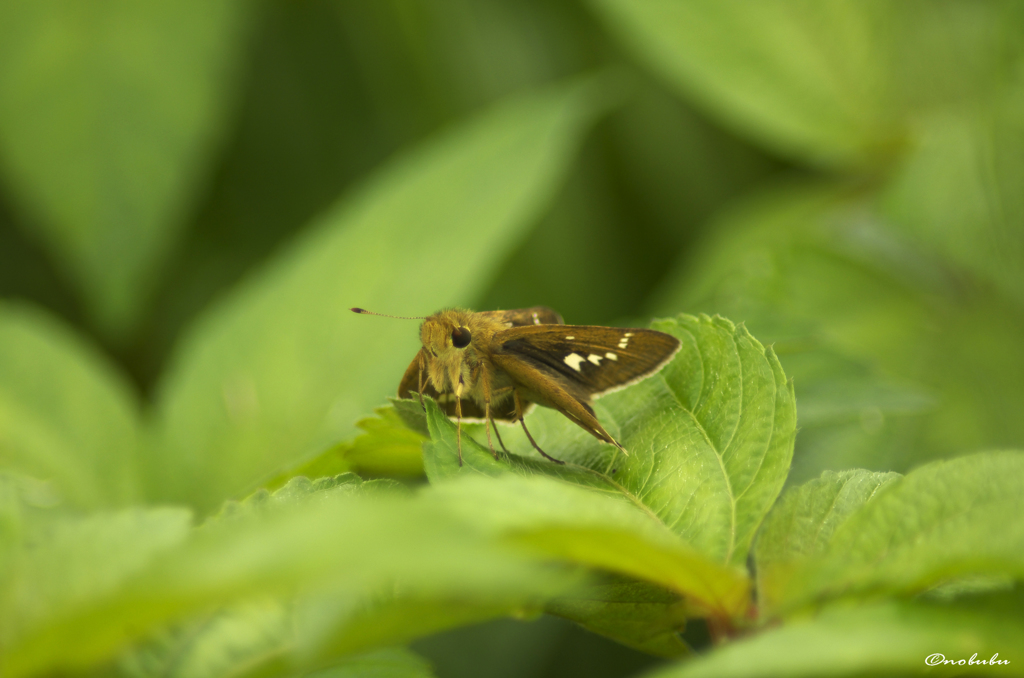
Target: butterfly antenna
{"type": "Point", "coordinates": [385, 315]}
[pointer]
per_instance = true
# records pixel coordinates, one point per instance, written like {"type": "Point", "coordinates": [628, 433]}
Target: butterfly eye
{"type": "Point", "coordinates": [460, 337]}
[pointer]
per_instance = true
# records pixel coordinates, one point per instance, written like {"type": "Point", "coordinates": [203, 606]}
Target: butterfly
{"type": "Point", "coordinates": [493, 365]}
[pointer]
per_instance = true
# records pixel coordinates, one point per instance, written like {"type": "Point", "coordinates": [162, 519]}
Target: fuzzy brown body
{"type": "Point", "coordinates": [492, 365]}
{"type": "Point", "coordinates": [467, 372]}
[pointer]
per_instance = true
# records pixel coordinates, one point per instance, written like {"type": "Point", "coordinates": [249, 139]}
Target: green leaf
{"type": "Point", "coordinates": [64, 563]}
{"type": "Point", "coordinates": [808, 79]}
{"type": "Point", "coordinates": [296, 489]}
{"type": "Point", "coordinates": [838, 83]}
{"type": "Point", "coordinates": [892, 638]}
{"type": "Point", "coordinates": [600, 524]}
{"type": "Point", "coordinates": [241, 640]}
{"type": "Point", "coordinates": [273, 635]}
{"type": "Point", "coordinates": [438, 460]}
{"type": "Point", "coordinates": [600, 529]}
{"type": "Point", "coordinates": [308, 539]}
{"type": "Point", "coordinates": [326, 630]}
{"type": "Point", "coordinates": [412, 414]}
{"type": "Point", "coordinates": [282, 369]}
{"type": "Point", "coordinates": [744, 411]}
{"type": "Point", "coordinates": [895, 359]}
{"type": "Point", "coordinates": [387, 663]}
{"type": "Point", "coordinates": [265, 638]}
{"type": "Point", "coordinates": [110, 114]}
{"type": "Point", "coordinates": [802, 523]}
{"type": "Point", "coordinates": [66, 417]}
{"type": "Point", "coordinates": [943, 521]}
{"type": "Point", "coordinates": [646, 618]}
{"type": "Point", "coordinates": [957, 194]}
{"type": "Point", "coordinates": [385, 448]}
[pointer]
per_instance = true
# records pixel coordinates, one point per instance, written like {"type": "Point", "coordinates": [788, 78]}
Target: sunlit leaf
{"type": "Point", "coordinates": [802, 523]}
{"type": "Point", "coordinates": [598, 525]}
{"type": "Point", "coordinates": [65, 563]}
{"type": "Point", "coordinates": [892, 638]}
{"type": "Point", "coordinates": [308, 539]}
{"type": "Point", "coordinates": [262, 638]}
{"type": "Point", "coordinates": [233, 641]}
{"type": "Point", "coordinates": [942, 521]}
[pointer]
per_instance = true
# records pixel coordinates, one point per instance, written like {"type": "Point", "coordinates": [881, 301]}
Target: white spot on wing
{"type": "Point", "coordinates": [628, 334]}
{"type": "Point", "coordinates": [611, 356]}
{"type": "Point", "coordinates": [570, 337]}
{"type": "Point", "coordinates": [640, 377]}
{"type": "Point", "coordinates": [536, 320]}
{"type": "Point", "coordinates": [596, 359]}
{"type": "Point", "coordinates": [573, 360]}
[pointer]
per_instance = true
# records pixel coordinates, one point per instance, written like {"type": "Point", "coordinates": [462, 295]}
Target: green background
{"type": "Point", "coordinates": [193, 193]}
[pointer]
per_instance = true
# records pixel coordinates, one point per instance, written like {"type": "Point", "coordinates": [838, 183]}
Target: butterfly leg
{"type": "Point", "coordinates": [485, 384]}
{"type": "Point", "coordinates": [419, 377]}
{"type": "Point", "coordinates": [488, 423]}
{"type": "Point", "coordinates": [458, 426]}
{"type": "Point", "coordinates": [498, 435]}
{"type": "Point", "coordinates": [499, 394]}
{"type": "Point", "coordinates": [519, 415]}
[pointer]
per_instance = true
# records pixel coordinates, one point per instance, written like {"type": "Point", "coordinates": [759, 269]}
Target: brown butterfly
{"type": "Point", "coordinates": [494, 364]}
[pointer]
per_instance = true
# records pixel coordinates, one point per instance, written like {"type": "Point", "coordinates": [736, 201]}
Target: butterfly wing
{"type": "Point", "coordinates": [566, 367]}
{"type": "Point", "coordinates": [522, 317]}
{"type": "Point", "coordinates": [598, 360]}
{"type": "Point", "coordinates": [539, 383]}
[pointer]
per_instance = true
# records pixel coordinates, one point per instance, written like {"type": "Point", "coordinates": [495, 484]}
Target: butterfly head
{"type": "Point", "coordinates": [447, 335]}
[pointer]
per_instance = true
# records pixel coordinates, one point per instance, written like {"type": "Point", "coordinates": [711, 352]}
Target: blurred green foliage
{"type": "Point", "coordinates": [192, 194]}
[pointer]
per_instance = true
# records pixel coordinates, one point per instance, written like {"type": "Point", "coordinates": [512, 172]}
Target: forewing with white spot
{"type": "Point", "coordinates": [598, 359]}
